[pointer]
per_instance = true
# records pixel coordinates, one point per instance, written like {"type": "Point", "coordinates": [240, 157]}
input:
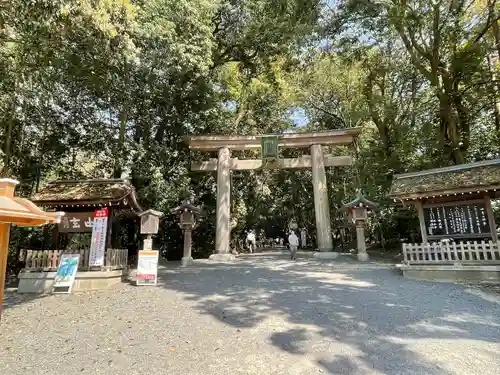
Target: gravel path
{"type": "Point", "coordinates": [260, 315]}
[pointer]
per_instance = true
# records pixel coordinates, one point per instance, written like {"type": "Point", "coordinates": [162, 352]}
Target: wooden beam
{"type": "Point", "coordinates": [491, 219]}
{"type": "Point", "coordinates": [421, 219]}
{"type": "Point", "coordinates": [251, 164]}
{"type": "Point", "coordinates": [453, 168]}
{"type": "Point", "coordinates": [458, 194]}
{"type": "Point", "coordinates": [4, 250]}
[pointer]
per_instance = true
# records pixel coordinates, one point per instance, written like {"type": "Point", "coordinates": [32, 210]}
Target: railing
{"type": "Point", "coordinates": [449, 253]}
{"type": "Point", "coordinates": [116, 258]}
{"type": "Point", "coordinates": [48, 260]}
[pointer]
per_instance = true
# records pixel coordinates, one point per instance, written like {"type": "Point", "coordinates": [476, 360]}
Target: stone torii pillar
{"type": "Point", "coordinates": [321, 204]}
{"type": "Point", "coordinates": [223, 214]}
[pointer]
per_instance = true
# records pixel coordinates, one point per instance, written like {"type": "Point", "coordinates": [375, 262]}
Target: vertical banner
{"type": "Point", "coordinates": [147, 267]}
{"type": "Point", "coordinates": [99, 232]}
{"type": "Point", "coordinates": [66, 272]}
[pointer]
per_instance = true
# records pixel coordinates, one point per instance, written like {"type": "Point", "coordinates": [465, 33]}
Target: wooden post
{"type": "Point", "coordinates": [421, 219]}
{"type": "Point", "coordinates": [4, 251]}
{"type": "Point", "coordinates": [114, 231]}
{"type": "Point", "coordinates": [109, 233]}
{"type": "Point", "coordinates": [491, 219]}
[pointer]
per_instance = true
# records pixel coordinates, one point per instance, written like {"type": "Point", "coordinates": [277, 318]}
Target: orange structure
{"type": "Point", "coordinates": [21, 212]}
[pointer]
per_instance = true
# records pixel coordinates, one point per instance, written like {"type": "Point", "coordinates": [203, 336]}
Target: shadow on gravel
{"type": "Point", "coordinates": [12, 299]}
{"type": "Point", "coordinates": [366, 309]}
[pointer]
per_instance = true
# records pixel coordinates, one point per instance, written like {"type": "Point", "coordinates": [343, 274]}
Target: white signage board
{"type": "Point", "coordinates": [147, 267]}
{"type": "Point", "coordinates": [66, 272]}
{"type": "Point", "coordinates": [98, 243]}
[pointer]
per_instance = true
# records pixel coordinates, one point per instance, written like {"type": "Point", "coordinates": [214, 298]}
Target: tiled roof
{"type": "Point", "coordinates": [103, 192]}
{"type": "Point", "coordinates": [465, 178]}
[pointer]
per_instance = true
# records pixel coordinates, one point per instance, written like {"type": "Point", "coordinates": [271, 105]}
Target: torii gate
{"type": "Point", "coordinates": [317, 161]}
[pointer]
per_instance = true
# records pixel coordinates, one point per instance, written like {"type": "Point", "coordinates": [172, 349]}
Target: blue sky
{"type": "Point", "coordinates": [299, 117]}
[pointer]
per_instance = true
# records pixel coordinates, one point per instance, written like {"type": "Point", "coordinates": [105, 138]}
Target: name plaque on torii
{"type": "Point", "coordinates": [269, 147]}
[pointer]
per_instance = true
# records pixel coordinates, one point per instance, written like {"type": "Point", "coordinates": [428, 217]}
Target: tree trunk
{"type": "Point", "coordinates": [40, 158]}
{"type": "Point", "coordinates": [7, 144]}
{"type": "Point", "coordinates": [494, 26]}
{"type": "Point", "coordinates": [119, 152]}
{"type": "Point", "coordinates": [449, 131]}
{"type": "Point", "coordinates": [493, 63]}
{"type": "Point", "coordinates": [494, 90]}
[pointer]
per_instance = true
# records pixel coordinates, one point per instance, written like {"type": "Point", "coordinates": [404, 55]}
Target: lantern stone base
{"type": "Point", "coordinates": [325, 255]}
{"type": "Point", "coordinates": [224, 257]}
{"type": "Point", "coordinates": [41, 282]}
{"type": "Point", "coordinates": [363, 257]}
{"type": "Point", "coordinates": [187, 261]}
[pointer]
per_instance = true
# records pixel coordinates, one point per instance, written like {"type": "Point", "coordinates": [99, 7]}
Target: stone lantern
{"type": "Point", "coordinates": [187, 222]}
{"type": "Point", "coordinates": [357, 211]}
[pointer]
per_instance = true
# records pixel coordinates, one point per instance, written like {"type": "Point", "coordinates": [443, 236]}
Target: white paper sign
{"type": "Point", "coordinates": [148, 244]}
{"type": "Point", "coordinates": [98, 244]}
{"type": "Point", "coordinates": [66, 272]}
{"type": "Point", "coordinates": [147, 267]}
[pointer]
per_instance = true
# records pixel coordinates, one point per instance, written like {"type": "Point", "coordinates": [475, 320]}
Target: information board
{"type": "Point", "coordinates": [461, 220]}
{"type": "Point", "coordinates": [99, 232]}
{"type": "Point", "coordinates": [147, 267]}
{"type": "Point", "coordinates": [66, 272]}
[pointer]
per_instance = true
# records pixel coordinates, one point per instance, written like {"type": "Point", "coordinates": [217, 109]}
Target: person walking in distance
{"type": "Point", "coordinates": [293, 241]}
{"type": "Point", "coordinates": [251, 241]}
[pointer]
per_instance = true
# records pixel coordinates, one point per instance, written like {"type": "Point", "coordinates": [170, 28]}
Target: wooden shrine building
{"type": "Point", "coordinates": [456, 220]}
{"type": "Point", "coordinates": [79, 199]}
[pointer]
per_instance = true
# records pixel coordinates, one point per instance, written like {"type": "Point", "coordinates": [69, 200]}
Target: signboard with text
{"type": "Point", "coordinates": [147, 267]}
{"type": "Point", "coordinates": [76, 222]}
{"type": "Point", "coordinates": [66, 272]}
{"type": "Point", "coordinates": [98, 243]}
{"type": "Point", "coordinates": [461, 220]}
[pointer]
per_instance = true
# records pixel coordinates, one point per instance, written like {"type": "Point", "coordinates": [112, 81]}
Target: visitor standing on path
{"type": "Point", "coordinates": [293, 241]}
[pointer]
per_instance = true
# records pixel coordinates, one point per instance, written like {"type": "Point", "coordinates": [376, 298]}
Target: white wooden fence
{"type": "Point", "coordinates": [48, 260]}
{"type": "Point", "coordinates": [448, 253]}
